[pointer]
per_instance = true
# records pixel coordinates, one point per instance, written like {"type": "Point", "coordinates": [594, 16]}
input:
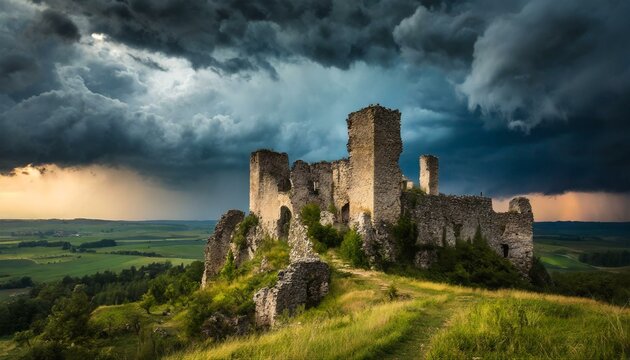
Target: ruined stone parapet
{"type": "Point", "coordinates": [219, 244]}
{"type": "Point", "coordinates": [429, 177]}
{"type": "Point", "coordinates": [521, 205]}
{"type": "Point", "coordinates": [304, 282]}
{"type": "Point", "coordinates": [444, 219]}
{"type": "Point", "coordinates": [374, 147]}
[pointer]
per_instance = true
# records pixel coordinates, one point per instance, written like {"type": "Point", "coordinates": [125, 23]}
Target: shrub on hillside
{"type": "Point", "coordinates": [599, 285]}
{"type": "Point", "coordinates": [405, 234]}
{"type": "Point", "coordinates": [476, 264]}
{"type": "Point", "coordinates": [352, 249]}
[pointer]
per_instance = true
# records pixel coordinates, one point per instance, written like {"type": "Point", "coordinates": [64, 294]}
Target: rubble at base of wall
{"type": "Point", "coordinates": [303, 283]}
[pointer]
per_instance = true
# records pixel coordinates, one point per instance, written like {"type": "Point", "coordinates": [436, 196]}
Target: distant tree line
{"type": "Point", "coordinates": [98, 244]}
{"type": "Point", "coordinates": [606, 259]}
{"type": "Point", "coordinates": [20, 283]}
{"type": "Point", "coordinates": [45, 243]}
{"type": "Point", "coordinates": [31, 311]}
{"type": "Point", "coordinates": [136, 253]}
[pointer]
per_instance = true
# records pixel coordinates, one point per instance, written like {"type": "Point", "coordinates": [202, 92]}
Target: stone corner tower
{"type": "Point", "coordinates": [374, 147]}
{"type": "Point", "coordinates": [429, 177]}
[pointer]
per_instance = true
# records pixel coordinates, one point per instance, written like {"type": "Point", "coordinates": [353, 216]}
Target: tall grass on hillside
{"type": "Point", "coordinates": [366, 334]}
{"type": "Point", "coordinates": [534, 329]}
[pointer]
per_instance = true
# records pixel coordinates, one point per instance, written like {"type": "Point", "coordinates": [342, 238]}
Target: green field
{"type": "Point", "coordinates": [559, 244]}
{"type": "Point", "coordinates": [179, 242]}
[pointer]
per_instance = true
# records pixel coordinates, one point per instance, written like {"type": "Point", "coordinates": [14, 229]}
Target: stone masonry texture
{"type": "Point", "coordinates": [219, 244]}
{"type": "Point", "coordinates": [429, 176]}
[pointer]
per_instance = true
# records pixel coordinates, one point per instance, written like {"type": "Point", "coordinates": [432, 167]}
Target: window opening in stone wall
{"type": "Point", "coordinates": [345, 213]}
{"type": "Point", "coordinates": [284, 185]}
{"type": "Point", "coordinates": [284, 222]}
{"type": "Point", "coordinates": [506, 250]}
{"type": "Point", "coordinates": [313, 187]}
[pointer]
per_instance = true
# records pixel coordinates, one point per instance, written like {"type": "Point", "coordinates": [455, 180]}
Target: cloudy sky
{"type": "Point", "coordinates": [138, 109]}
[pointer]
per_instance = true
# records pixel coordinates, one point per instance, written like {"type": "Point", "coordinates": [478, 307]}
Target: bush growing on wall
{"type": "Point", "coordinates": [240, 235]}
{"type": "Point", "coordinates": [323, 236]}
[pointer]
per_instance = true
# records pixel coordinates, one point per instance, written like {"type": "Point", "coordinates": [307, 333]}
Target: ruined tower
{"type": "Point", "coordinates": [374, 146]}
{"type": "Point", "coordinates": [429, 174]}
{"type": "Point", "coordinates": [269, 189]}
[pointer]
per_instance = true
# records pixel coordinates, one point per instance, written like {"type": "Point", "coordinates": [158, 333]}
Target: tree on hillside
{"type": "Point", "coordinates": [69, 318]}
{"type": "Point", "coordinates": [148, 300]}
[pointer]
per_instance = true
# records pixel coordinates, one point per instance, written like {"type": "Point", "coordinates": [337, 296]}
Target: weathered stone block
{"type": "Point", "coordinates": [219, 243]}
{"type": "Point", "coordinates": [304, 282]}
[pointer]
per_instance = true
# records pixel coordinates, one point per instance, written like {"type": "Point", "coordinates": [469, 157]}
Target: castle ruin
{"type": "Point", "coordinates": [369, 183]}
{"type": "Point", "coordinates": [365, 191]}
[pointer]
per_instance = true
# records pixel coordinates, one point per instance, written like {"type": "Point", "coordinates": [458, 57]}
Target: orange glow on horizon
{"type": "Point", "coordinates": [113, 193]}
{"type": "Point", "coordinates": [575, 206]}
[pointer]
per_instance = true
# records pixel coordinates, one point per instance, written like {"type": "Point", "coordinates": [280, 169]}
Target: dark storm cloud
{"type": "Point", "coordinates": [553, 60]}
{"type": "Point", "coordinates": [233, 36]}
{"type": "Point", "coordinates": [53, 22]}
{"type": "Point", "coordinates": [32, 43]}
{"type": "Point", "coordinates": [557, 72]}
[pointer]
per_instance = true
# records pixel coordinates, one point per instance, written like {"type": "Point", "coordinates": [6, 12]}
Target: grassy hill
{"type": "Point", "coordinates": [372, 315]}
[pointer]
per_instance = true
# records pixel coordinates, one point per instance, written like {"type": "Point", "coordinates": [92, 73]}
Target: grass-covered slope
{"type": "Point", "coordinates": [370, 314]}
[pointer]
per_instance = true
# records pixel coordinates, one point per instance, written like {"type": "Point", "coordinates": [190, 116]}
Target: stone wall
{"type": "Point", "coordinates": [341, 185]}
{"type": "Point", "coordinates": [443, 219]}
{"type": "Point", "coordinates": [303, 283]}
{"type": "Point", "coordinates": [269, 189]}
{"type": "Point", "coordinates": [429, 176]}
{"type": "Point", "coordinates": [312, 183]}
{"type": "Point", "coordinates": [219, 244]}
{"type": "Point", "coordinates": [374, 146]}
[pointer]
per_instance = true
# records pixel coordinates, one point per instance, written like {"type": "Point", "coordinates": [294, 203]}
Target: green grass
{"type": "Point", "coordinates": [358, 321]}
{"type": "Point", "coordinates": [535, 329]}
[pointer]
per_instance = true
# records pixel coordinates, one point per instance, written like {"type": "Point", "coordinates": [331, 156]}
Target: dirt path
{"type": "Point", "coordinates": [432, 318]}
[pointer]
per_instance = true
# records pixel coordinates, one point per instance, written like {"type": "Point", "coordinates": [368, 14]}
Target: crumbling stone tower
{"type": "Point", "coordinates": [374, 146]}
{"type": "Point", "coordinates": [429, 174]}
{"type": "Point", "coordinates": [269, 189]}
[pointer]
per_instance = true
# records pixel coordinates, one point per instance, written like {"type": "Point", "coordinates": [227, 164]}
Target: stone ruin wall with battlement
{"type": "Point", "coordinates": [370, 182]}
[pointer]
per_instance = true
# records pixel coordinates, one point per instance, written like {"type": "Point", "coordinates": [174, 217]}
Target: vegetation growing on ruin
{"type": "Point", "coordinates": [240, 234]}
{"type": "Point", "coordinates": [405, 235]}
{"type": "Point", "coordinates": [351, 249]}
{"type": "Point", "coordinates": [322, 236]}
{"type": "Point", "coordinates": [233, 295]}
